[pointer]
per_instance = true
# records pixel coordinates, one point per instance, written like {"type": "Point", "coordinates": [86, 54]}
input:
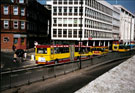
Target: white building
{"type": "Point", "coordinates": [98, 21]}
{"type": "Point", "coordinates": [126, 25]}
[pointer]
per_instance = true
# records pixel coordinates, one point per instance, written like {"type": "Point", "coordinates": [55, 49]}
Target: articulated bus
{"type": "Point", "coordinates": [52, 54]}
{"type": "Point", "coordinates": [99, 50]}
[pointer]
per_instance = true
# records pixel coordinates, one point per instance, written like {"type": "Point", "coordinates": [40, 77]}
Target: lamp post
{"type": "Point", "coordinates": [80, 34]}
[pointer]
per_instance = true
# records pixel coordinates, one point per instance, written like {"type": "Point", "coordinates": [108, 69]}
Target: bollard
{"type": "Point", "coordinates": [32, 58]}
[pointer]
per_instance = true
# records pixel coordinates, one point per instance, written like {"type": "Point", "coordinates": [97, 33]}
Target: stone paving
{"type": "Point", "coordinates": [120, 79]}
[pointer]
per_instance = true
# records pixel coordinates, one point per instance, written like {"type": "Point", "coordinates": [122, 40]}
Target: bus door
{"type": "Point", "coordinates": [52, 53]}
{"type": "Point", "coordinates": [72, 52]}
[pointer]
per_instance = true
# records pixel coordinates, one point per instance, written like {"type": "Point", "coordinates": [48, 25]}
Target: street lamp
{"type": "Point", "coordinates": [80, 34]}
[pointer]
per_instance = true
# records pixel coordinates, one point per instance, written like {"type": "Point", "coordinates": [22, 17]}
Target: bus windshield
{"type": "Point", "coordinates": [42, 50]}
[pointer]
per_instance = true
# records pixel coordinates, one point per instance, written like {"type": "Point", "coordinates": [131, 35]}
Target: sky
{"type": "Point", "coordinates": [128, 4]}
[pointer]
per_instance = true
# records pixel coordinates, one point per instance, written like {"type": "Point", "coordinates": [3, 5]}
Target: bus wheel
{"type": "Point", "coordinates": [56, 61]}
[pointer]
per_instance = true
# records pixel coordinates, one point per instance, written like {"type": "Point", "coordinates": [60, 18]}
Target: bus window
{"type": "Point", "coordinates": [77, 49]}
{"type": "Point", "coordinates": [56, 50]}
{"type": "Point", "coordinates": [51, 51]}
{"type": "Point", "coordinates": [42, 50]}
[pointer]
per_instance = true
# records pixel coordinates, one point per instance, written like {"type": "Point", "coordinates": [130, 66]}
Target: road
{"type": "Point", "coordinates": [72, 84]}
{"type": "Point", "coordinates": [68, 83]}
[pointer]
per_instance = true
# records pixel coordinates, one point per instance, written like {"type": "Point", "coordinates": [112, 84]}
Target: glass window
{"type": "Point", "coordinates": [59, 32]}
{"type": "Point", "coordinates": [60, 21]}
{"type": "Point", "coordinates": [22, 41]}
{"type": "Point", "coordinates": [15, 40]}
{"type": "Point", "coordinates": [6, 39]}
{"type": "Point", "coordinates": [6, 24]}
{"type": "Point", "coordinates": [12, 0]}
{"type": "Point", "coordinates": [15, 10]}
{"type": "Point", "coordinates": [69, 33]}
{"type": "Point", "coordinates": [55, 21]}
{"type": "Point", "coordinates": [65, 9]}
{"type": "Point", "coordinates": [21, 1]}
{"type": "Point", "coordinates": [75, 10]}
{"type": "Point", "coordinates": [22, 25]}
{"type": "Point", "coordinates": [75, 21]}
{"type": "Point", "coordinates": [42, 50]}
{"type": "Point", "coordinates": [65, 33]}
{"type": "Point", "coordinates": [65, 21]}
{"type": "Point", "coordinates": [55, 9]}
{"type": "Point", "coordinates": [70, 21]}
{"type": "Point", "coordinates": [60, 9]}
{"type": "Point", "coordinates": [22, 12]}
{"type": "Point", "coordinates": [5, 10]}
{"type": "Point", "coordinates": [15, 24]}
{"type": "Point", "coordinates": [70, 9]}
{"type": "Point", "coordinates": [54, 32]}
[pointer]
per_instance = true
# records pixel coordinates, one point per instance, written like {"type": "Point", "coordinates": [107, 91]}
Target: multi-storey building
{"type": "Point", "coordinates": [98, 22]}
{"type": "Point", "coordinates": [126, 25]}
{"type": "Point", "coordinates": [116, 23]}
{"type": "Point", "coordinates": [23, 22]}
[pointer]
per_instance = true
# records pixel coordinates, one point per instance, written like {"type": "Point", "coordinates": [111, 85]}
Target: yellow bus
{"type": "Point", "coordinates": [99, 50]}
{"type": "Point", "coordinates": [52, 54]}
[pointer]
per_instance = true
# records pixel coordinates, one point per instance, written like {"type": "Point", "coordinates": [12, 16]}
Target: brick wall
{"type": "Point", "coordinates": [6, 44]}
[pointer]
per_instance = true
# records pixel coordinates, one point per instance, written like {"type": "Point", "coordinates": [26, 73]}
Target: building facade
{"type": "Point", "coordinates": [98, 21]}
{"type": "Point", "coordinates": [22, 23]}
{"type": "Point", "coordinates": [127, 20]}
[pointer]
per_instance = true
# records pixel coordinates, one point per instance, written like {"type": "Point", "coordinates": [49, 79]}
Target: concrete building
{"type": "Point", "coordinates": [22, 23]}
{"type": "Point", "coordinates": [98, 21]}
{"type": "Point", "coordinates": [127, 20]}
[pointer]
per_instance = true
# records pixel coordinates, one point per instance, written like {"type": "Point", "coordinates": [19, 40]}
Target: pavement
{"type": "Point", "coordinates": [7, 60]}
{"type": "Point", "coordinates": [120, 79]}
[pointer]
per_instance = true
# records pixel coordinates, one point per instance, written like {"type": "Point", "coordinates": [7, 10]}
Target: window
{"type": "Point", "coordinates": [65, 10]}
{"type": "Point", "coordinates": [59, 32]}
{"type": "Point", "coordinates": [55, 9]}
{"type": "Point", "coordinates": [60, 9]}
{"type": "Point", "coordinates": [5, 10]}
{"type": "Point", "coordinates": [6, 39]}
{"type": "Point", "coordinates": [6, 24]}
{"type": "Point", "coordinates": [55, 21]}
{"type": "Point", "coordinates": [75, 10]}
{"type": "Point", "coordinates": [59, 20]}
{"type": "Point", "coordinates": [12, 1]}
{"type": "Point", "coordinates": [21, 1]}
{"type": "Point", "coordinates": [15, 10]}
{"type": "Point", "coordinates": [22, 25]}
{"type": "Point", "coordinates": [65, 21]}
{"type": "Point", "coordinates": [15, 40]}
{"type": "Point", "coordinates": [22, 12]}
{"type": "Point", "coordinates": [75, 21]}
{"type": "Point", "coordinates": [42, 50]}
{"type": "Point", "coordinates": [70, 9]}
{"type": "Point", "coordinates": [65, 33]}
{"type": "Point", "coordinates": [69, 33]}
{"type": "Point", "coordinates": [54, 32]}
{"type": "Point", "coordinates": [22, 41]}
{"type": "Point", "coordinates": [15, 24]}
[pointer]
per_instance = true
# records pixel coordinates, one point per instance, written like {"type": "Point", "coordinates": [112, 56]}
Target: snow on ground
{"type": "Point", "coordinates": [120, 79]}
